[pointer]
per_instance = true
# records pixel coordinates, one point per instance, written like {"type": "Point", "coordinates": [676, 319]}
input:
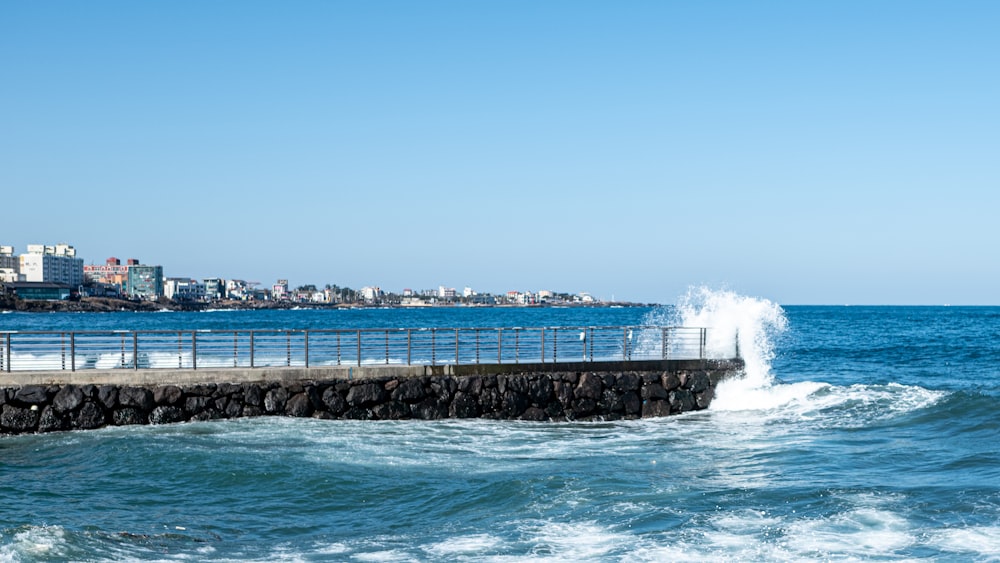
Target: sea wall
{"type": "Point", "coordinates": [533, 396]}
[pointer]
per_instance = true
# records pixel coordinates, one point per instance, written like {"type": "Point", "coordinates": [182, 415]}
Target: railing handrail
{"type": "Point", "coordinates": [267, 347]}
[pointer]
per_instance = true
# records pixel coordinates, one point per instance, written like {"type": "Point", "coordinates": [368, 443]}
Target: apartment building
{"type": "Point", "coordinates": [52, 264]}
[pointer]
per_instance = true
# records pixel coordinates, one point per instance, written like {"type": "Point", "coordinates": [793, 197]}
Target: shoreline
{"type": "Point", "coordinates": [109, 305]}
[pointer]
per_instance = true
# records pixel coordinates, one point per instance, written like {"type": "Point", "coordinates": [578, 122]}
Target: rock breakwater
{"type": "Point", "coordinates": [557, 396]}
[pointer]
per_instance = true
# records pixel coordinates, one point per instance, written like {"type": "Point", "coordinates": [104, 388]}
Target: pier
{"type": "Point", "coordinates": [78, 380]}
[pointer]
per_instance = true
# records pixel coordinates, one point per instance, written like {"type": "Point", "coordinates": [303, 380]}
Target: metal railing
{"type": "Point", "coordinates": [201, 349]}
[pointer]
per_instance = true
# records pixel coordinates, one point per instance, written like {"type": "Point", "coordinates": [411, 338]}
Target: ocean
{"type": "Point", "coordinates": [856, 433]}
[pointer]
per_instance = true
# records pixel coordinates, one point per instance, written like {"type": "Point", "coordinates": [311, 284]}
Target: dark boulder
{"type": "Point", "coordinates": [229, 389]}
{"type": "Point", "coordinates": [275, 399]}
{"type": "Point", "coordinates": [655, 408]}
{"type": "Point", "coordinates": [632, 403]}
{"type": "Point", "coordinates": [670, 381]}
{"type": "Point", "coordinates": [681, 400]}
{"type": "Point", "coordinates": [409, 390]}
{"type": "Point", "coordinates": [128, 415]}
{"type": "Point", "coordinates": [334, 403]}
{"type": "Point", "coordinates": [698, 382]}
{"type": "Point", "coordinates": [534, 414]}
{"type": "Point", "coordinates": [31, 395]}
{"type": "Point", "coordinates": [514, 404]}
{"type": "Point", "coordinates": [18, 419]}
{"type": "Point", "coordinates": [108, 396]}
{"type": "Point", "coordinates": [195, 405]}
{"type": "Point", "coordinates": [366, 395]}
{"type": "Point", "coordinates": [472, 385]}
{"type": "Point", "coordinates": [563, 391]}
{"type": "Point", "coordinates": [137, 397]}
{"type": "Point", "coordinates": [207, 414]}
{"type": "Point", "coordinates": [299, 406]}
{"type": "Point", "coordinates": [202, 390]}
{"type": "Point", "coordinates": [627, 382]}
{"type": "Point", "coordinates": [68, 399]}
{"type": "Point", "coordinates": [50, 421]}
{"type": "Point", "coordinates": [584, 407]}
{"type": "Point", "coordinates": [234, 409]}
{"type": "Point", "coordinates": [611, 401]}
{"type": "Point", "coordinates": [358, 413]}
{"type": "Point", "coordinates": [220, 403]}
{"type": "Point", "coordinates": [429, 409]}
{"type": "Point", "coordinates": [90, 416]}
{"type": "Point", "coordinates": [166, 415]}
{"type": "Point", "coordinates": [443, 388]}
{"type": "Point", "coordinates": [167, 395]}
{"type": "Point", "coordinates": [391, 410]}
{"type": "Point", "coordinates": [540, 390]}
{"type": "Point", "coordinates": [654, 391]}
{"type": "Point", "coordinates": [464, 405]}
{"type": "Point", "coordinates": [589, 387]}
{"type": "Point", "coordinates": [490, 400]}
{"type": "Point", "coordinates": [252, 395]}
{"type": "Point", "coordinates": [703, 399]}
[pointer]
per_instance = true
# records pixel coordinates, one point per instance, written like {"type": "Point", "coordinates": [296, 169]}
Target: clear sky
{"type": "Point", "coordinates": [805, 152]}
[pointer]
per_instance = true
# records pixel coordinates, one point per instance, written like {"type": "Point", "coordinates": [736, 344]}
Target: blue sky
{"type": "Point", "coordinates": [805, 152]}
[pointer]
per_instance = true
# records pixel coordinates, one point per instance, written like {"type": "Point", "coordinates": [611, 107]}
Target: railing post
{"type": "Point", "coordinates": [555, 344]}
{"type": "Point", "coordinates": [194, 349]}
{"type": "Point", "coordinates": [236, 347]}
{"type": "Point", "coordinates": [701, 348]}
{"type": "Point", "coordinates": [663, 343]}
{"type": "Point", "coordinates": [591, 339]}
{"type": "Point", "coordinates": [180, 350]}
{"type": "Point", "coordinates": [738, 343]}
{"type": "Point", "coordinates": [307, 347]}
{"type": "Point", "coordinates": [359, 347]}
{"type": "Point", "coordinates": [433, 346]}
{"type": "Point", "coordinates": [543, 345]}
{"type": "Point", "coordinates": [252, 358]}
{"type": "Point", "coordinates": [625, 344]}
{"type": "Point", "coordinates": [288, 348]}
{"type": "Point", "coordinates": [72, 351]}
{"type": "Point", "coordinates": [456, 346]}
{"type": "Point", "coordinates": [499, 346]}
{"type": "Point", "coordinates": [386, 346]}
{"type": "Point", "coordinates": [517, 346]}
{"type": "Point", "coordinates": [477, 346]}
{"type": "Point", "coordinates": [135, 350]}
{"type": "Point", "coordinates": [7, 355]}
{"type": "Point", "coordinates": [338, 347]}
{"type": "Point", "coordinates": [62, 349]}
{"type": "Point", "coordinates": [409, 347]}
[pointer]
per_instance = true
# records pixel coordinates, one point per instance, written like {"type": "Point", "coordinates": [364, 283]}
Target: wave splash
{"type": "Point", "coordinates": [737, 325]}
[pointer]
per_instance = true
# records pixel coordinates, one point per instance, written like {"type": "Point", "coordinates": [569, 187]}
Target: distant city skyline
{"type": "Point", "coordinates": [806, 153]}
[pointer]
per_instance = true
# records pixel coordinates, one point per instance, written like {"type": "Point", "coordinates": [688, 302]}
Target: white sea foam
{"type": "Point", "coordinates": [572, 541]}
{"type": "Point", "coordinates": [982, 542]}
{"type": "Point", "coordinates": [463, 545]}
{"type": "Point", "coordinates": [34, 542]}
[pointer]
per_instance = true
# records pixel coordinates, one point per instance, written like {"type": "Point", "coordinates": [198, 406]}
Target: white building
{"type": "Point", "coordinates": [371, 294]}
{"type": "Point", "coordinates": [279, 291]}
{"type": "Point", "coordinates": [467, 292]}
{"type": "Point", "coordinates": [9, 264]}
{"type": "Point", "coordinates": [184, 289]}
{"type": "Point", "coordinates": [238, 290]}
{"type": "Point", "coordinates": [54, 264]}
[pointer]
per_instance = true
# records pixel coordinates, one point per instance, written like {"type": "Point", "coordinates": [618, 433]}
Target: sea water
{"type": "Point", "coordinates": [855, 433]}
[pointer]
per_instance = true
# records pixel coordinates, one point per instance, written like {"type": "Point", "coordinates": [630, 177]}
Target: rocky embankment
{"type": "Point", "coordinates": [534, 397]}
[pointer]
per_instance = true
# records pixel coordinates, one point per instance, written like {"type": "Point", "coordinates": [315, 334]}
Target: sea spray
{"type": "Point", "coordinates": [736, 325]}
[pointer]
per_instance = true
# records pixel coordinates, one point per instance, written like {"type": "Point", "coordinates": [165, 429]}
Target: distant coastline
{"type": "Point", "coordinates": [112, 305]}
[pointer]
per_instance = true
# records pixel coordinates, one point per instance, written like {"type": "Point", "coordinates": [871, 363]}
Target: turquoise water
{"type": "Point", "coordinates": [857, 433]}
